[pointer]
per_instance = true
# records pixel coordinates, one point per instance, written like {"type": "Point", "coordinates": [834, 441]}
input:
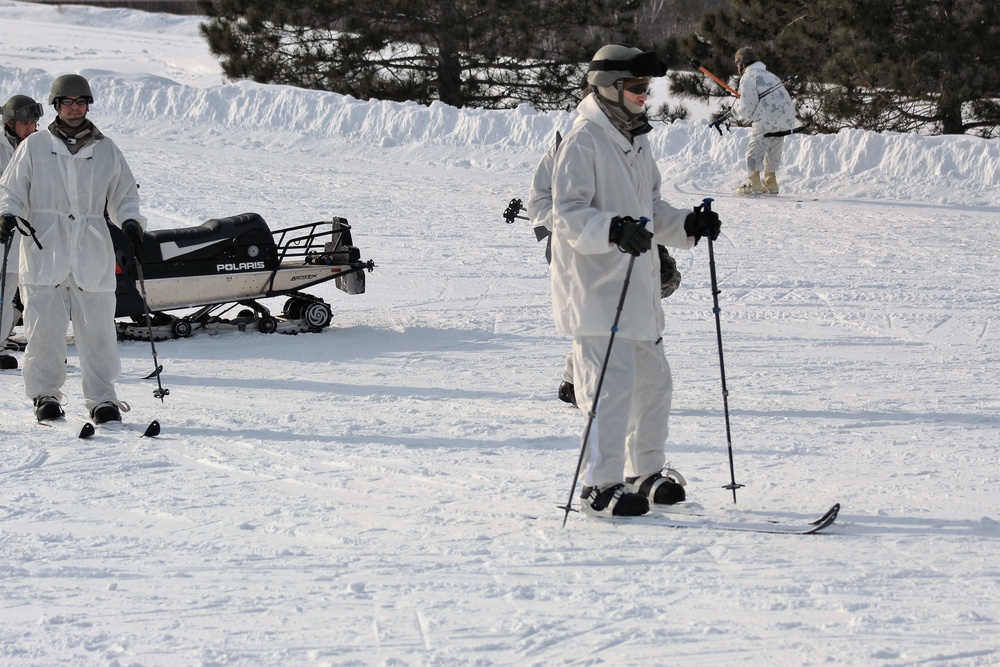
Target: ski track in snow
{"type": "Point", "coordinates": [386, 492]}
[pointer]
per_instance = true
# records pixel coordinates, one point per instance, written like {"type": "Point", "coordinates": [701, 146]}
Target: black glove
{"type": "Point", "coordinates": [630, 236]}
{"type": "Point", "coordinates": [7, 227]}
{"type": "Point", "coordinates": [702, 223]}
{"type": "Point", "coordinates": [670, 277]}
{"type": "Point", "coordinates": [133, 230]}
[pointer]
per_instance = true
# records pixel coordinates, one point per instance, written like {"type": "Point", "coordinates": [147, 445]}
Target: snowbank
{"type": "Point", "coordinates": [852, 163]}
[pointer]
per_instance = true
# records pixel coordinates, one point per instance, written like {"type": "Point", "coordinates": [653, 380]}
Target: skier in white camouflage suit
{"type": "Point", "coordinates": [20, 120]}
{"type": "Point", "coordinates": [540, 214]}
{"type": "Point", "coordinates": [62, 181]}
{"type": "Point", "coordinates": [604, 180]}
{"type": "Point", "coordinates": [773, 113]}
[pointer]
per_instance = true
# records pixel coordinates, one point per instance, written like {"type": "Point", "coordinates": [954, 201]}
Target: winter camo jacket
{"type": "Point", "coordinates": [6, 155]}
{"type": "Point", "coordinates": [598, 175]}
{"type": "Point", "coordinates": [6, 152]}
{"type": "Point", "coordinates": [772, 113]}
{"type": "Point", "coordinates": [540, 195]}
{"type": "Point", "coordinates": [63, 197]}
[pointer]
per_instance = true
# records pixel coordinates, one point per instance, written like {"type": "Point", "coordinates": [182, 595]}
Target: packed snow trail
{"type": "Point", "coordinates": [365, 495]}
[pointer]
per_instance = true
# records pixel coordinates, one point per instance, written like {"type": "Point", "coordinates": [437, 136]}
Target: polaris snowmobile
{"type": "Point", "coordinates": [233, 262]}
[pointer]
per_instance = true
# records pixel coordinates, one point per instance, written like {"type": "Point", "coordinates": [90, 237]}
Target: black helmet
{"type": "Point", "coordinates": [23, 108]}
{"type": "Point", "coordinates": [70, 85]}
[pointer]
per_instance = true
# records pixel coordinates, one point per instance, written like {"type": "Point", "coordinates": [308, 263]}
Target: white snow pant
{"type": "Point", "coordinates": [764, 153]}
{"type": "Point", "coordinates": [567, 375]}
{"type": "Point", "coordinates": [8, 318]}
{"type": "Point", "coordinates": [46, 320]}
{"type": "Point", "coordinates": [629, 433]}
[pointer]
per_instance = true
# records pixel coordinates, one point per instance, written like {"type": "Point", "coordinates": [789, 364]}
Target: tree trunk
{"type": "Point", "coordinates": [951, 117]}
{"type": "Point", "coordinates": [449, 67]}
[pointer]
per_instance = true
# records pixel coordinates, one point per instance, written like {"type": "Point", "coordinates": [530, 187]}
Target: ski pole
{"type": "Point", "coordinates": [706, 206]}
{"type": "Point", "coordinates": [159, 392]}
{"type": "Point", "coordinates": [600, 382]}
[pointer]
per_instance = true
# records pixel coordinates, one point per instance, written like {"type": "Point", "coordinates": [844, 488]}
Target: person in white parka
{"type": "Point", "coordinates": [767, 115]}
{"type": "Point", "coordinates": [62, 181]}
{"type": "Point", "coordinates": [604, 180]}
{"type": "Point", "coordinates": [540, 214]}
{"type": "Point", "coordinates": [20, 120]}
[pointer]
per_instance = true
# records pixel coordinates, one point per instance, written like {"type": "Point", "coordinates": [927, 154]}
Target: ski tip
{"type": "Point", "coordinates": [86, 430]}
{"type": "Point", "coordinates": [152, 430]}
{"type": "Point", "coordinates": [828, 517]}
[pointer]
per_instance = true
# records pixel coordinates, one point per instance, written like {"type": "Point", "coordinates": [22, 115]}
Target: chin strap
{"type": "Point", "coordinates": [627, 116]}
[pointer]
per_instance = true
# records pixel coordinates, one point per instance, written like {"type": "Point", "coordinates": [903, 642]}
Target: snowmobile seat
{"type": "Point", "coordinates": [207, 240]}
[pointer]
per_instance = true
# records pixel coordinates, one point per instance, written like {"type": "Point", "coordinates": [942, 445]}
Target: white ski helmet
{"type": "Point", "coordinates": [614, 62]}
{"type": "Point", "coordinates": [612, 66]}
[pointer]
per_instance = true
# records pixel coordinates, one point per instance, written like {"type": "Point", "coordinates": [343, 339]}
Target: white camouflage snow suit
{"type": "Point", "coordinates": [598, 175]}
{"type": "Point", "coordinates": [773, 113]}
{"type": "Point", "coordinates": [63, 196]}
{"type": "Point", "coordinates": [8, 313]}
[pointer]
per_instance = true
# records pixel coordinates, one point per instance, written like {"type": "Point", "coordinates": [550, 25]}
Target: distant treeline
{"type": "Point", "coordinates": [172, 7]}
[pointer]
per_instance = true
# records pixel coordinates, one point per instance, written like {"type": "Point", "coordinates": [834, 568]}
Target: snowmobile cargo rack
{"type": "Point", "coordinates": [233, 262]}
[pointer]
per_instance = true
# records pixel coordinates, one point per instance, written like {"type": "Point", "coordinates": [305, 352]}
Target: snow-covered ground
{"type": "Point", "coordinates": [385, 492]}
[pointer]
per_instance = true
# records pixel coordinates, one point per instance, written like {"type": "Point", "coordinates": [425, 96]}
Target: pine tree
{"type": "Point", "coordinates": [900, 65]}
{"type": "Point", "coordinates": [481, 53]}
{"type": "Point", "coordinates": [929, 65]}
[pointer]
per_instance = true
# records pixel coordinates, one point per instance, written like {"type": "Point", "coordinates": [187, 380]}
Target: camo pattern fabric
{"type": "Point", "coordinates": [772, 113]}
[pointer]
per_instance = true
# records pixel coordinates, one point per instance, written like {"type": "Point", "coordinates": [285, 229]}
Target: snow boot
{"type": "Point", "coordinates": [14, 345]}
{"type": "Point", "coordinates": [659, 488]}
{"type": "Point", "coordinates": [106, 412]}
{"type": "Point", "coordinates": [7, 362]}
{"type": "Point", "coordinates": [47, 408]}
{"type": "Point", "coordinates": [615, 500]}
{"type": "Point", "coordinates": [567, 393]}
{"type": "Point", "coordinates": [771, 182]}
{"type": "Point", "coordinates": [752, 186]}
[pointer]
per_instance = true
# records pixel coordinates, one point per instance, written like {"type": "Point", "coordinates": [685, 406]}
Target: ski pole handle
{"type": "Point", "coordinates": [706, 205]}
{"type": "Point", "coordinates": [513, 208]}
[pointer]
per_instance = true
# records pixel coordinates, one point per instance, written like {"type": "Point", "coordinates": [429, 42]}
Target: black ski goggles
{"type": "Point", "coordinates": [28, 113]}
{"type": "Point", "coordinates": [644, 64]}
{"type": "Point", "coordinates": [79, 101]}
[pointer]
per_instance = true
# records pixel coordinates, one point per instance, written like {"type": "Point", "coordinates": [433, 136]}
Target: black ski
{"type": "Point", "coordinates": [62, 424]}
{"type": "Point", "coordinates": [700, 192]}
{"type": "Point", "coordinates": [88, 429]}
{"type": "Point", "coordinates": [691, 519]}
{"type": "Point", "coordinates": [151, 431]}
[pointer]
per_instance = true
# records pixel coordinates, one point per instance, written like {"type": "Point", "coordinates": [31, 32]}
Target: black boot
{"type": "Point", "coordinates": [658, 488]}
{"type": "Point", "coordinates": [616, 500]}
{"type": "Point", "coordinates": [567, 393]}
{"type": "Point", "coordinates": [106, 412]}
{"type": "Point", "coordinates": [47, 408]}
